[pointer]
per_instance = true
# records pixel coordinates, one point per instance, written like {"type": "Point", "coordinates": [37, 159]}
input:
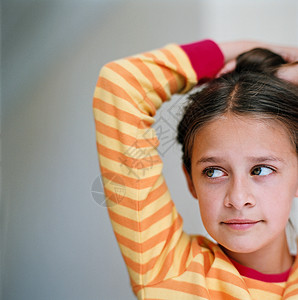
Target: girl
{"type": "Point", "coordinates": [240, 161]}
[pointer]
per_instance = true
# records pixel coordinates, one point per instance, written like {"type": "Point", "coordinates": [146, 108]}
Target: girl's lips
{"type": "Point", "coordinates": [240, 224]}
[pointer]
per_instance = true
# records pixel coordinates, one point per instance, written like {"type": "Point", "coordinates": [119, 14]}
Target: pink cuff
{"type": "Point", "coordinates": [206, 58]}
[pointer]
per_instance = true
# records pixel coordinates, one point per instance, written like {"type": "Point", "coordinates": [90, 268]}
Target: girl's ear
{"type": "Point", "coordinates": [189, 182]}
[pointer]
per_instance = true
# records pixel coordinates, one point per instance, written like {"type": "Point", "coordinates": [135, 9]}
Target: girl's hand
{"type": "Point", "coordinates": [231, 50]}
{"type": "Point", "coordinates": [289, 72]}
{"type": "Point", "coordinates": [290, 54]}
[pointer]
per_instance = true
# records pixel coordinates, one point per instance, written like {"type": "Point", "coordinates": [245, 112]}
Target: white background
{"type": "Point", "coordinates": [56, 240]}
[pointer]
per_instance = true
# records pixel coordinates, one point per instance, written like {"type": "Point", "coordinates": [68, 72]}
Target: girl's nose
{"type": "Point", "coordinates": [239, 194]}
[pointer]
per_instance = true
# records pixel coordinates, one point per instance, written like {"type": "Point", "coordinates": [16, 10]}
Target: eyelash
{"type": "Point", "coordinates": [204, 172]}
{"type": "Point", "coordinates": [263, 166]}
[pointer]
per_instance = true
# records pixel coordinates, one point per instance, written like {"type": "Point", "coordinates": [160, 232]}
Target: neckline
{"type": "Point", "coordinates": [253, 274]}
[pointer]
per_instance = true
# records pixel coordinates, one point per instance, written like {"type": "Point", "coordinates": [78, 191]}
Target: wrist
{"type": "Point", "coordinates": [231, 50]}
{"type": "Point", "coordinates": [205, 56]}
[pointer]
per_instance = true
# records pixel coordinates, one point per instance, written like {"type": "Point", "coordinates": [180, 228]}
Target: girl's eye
{"type": "Point", "coordinates": [261, 171]}
{"type": "Point", "coordinates": [213, 173]}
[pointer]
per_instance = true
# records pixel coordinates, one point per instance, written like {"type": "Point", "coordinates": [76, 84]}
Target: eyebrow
{"type": "Point", "coordinates": [262, 159]}
{"type": "Point", "coordinates": [253, 159]}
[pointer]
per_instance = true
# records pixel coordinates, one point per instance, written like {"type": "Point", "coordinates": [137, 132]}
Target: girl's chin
{"type": "Point", "coordinates": [238, 248]}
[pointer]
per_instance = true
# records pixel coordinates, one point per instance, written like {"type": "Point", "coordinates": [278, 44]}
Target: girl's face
{"type": "Point", "coordinates": [245, 176]}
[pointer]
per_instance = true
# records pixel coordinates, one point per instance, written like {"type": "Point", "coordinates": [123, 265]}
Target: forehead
{"type": "Point", "coordinates": [243, 135]}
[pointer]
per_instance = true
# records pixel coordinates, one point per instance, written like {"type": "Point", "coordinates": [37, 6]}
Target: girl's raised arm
{"type": "Point", "coordinates": [128, 92]}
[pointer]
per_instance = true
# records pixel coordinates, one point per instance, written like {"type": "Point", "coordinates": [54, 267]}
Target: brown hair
{"type": "Point", "coordinates": [251, 89]}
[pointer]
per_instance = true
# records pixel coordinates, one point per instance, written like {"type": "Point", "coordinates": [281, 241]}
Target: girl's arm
{"type": "Point", "coordinates": [127, 95]}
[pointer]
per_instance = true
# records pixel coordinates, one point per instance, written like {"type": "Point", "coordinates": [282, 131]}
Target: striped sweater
{"type": "Point", "coordinates": [162, 260]}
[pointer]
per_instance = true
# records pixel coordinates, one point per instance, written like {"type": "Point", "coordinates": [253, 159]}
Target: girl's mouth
{"type": "Point", "coordinates": [240, 224]}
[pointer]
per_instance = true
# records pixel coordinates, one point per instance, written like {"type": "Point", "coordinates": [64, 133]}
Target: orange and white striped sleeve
{"type": "Point", "coordinates": [143, 215]}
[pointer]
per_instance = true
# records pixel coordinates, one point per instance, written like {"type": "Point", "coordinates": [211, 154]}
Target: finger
{"type": "Point", "coordinates": [289, 73]}
{"type": "Point", "coordinates": [289, 54]}
{"type": "Point", "coordinates": [228, 67]}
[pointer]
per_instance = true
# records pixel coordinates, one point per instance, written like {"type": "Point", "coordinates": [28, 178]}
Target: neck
{"type": "Point", "coordinates": [271, 259]}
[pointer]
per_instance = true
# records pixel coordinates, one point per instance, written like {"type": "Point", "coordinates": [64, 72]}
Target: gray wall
{"type": "Point", "coordinates": [56, 239]}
